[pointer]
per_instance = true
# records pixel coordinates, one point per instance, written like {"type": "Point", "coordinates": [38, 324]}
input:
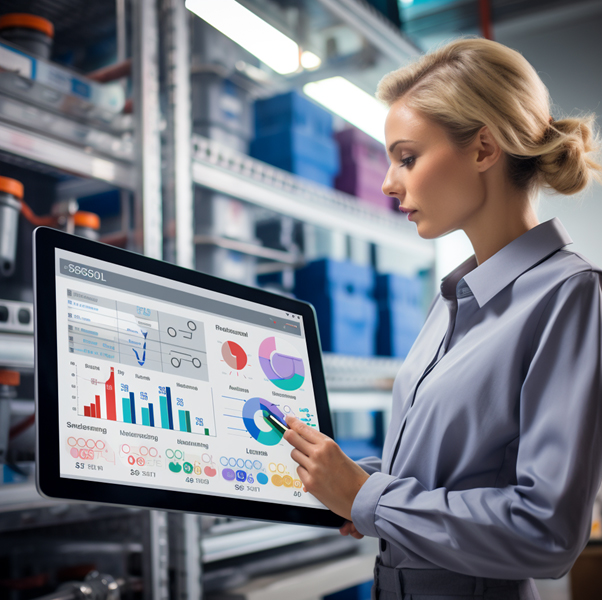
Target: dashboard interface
{"type": "Point", "coordinates": [166, 385]}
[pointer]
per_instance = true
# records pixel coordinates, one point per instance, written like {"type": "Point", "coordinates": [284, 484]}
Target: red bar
{"type": "Point", "coordinates": [97, 407]}
{"type": "Point", "coordinates": [92, 410]}
{"type": "Point", "coordinates": [110, 390]}
{"type": "Point", "coordinates": [86, 411]}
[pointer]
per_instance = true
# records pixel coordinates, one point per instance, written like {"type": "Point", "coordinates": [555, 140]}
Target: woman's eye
{"type": "Point", "coordinates": [408, 161]}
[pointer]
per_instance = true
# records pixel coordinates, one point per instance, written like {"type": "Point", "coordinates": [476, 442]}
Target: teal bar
{"type": "Point", "coordinates": [127, 410]}
{"type": "Point", "coordinates": [145, 417]}
{"type": "Point", "coordinates": [164, 412]}
{"type": "Point", "coordinates": [182, 415]}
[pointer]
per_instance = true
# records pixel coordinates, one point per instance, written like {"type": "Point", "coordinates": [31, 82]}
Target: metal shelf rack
{"type": "Point", "coordinates": [224, 170]}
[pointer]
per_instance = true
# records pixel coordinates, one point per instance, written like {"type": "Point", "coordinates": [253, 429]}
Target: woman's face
{"type": "Point", "coordinates": [429, 175]}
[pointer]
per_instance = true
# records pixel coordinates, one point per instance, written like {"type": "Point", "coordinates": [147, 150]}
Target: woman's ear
{"type": "Point", "coordinates": [488, 151]}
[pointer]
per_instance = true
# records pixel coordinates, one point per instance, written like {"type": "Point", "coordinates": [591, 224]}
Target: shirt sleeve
{"type": "Point", "coordinates": [371, 464]}
{"type": "Point", "coordinates": [538, 527]}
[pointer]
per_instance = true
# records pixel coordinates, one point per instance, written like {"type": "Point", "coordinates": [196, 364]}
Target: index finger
{"type": "Point", "coordinates": [309, 433]}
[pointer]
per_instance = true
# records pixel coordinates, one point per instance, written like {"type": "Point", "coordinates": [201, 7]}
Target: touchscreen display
{"type": "Point", "coordinates": [166, 385]}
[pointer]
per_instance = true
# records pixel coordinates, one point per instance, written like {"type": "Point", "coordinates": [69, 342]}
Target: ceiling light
{"type": "Point", "coordinates": [310, 61]}
{"type": "Point", "coordinates": [269, 45]}
{"type": "Point", "coordinates": [347, 100]}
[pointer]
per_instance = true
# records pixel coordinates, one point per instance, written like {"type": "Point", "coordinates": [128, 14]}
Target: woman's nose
{"type": "Point", "coordinates": [391, 187]}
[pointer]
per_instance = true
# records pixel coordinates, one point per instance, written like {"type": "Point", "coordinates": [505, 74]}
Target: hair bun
{"type": "Point", "coordinates": [566, 164]}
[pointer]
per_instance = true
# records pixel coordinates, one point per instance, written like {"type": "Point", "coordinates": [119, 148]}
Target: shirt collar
{"type": "Point", "coordinates": [488, 279]}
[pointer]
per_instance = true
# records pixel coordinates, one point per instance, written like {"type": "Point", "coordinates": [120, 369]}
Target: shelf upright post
{"type": "Point", "coordinates": [185, 556]}
{"type": "Point", "coordinates": [177, 191]}
{"type": "Point", "coordinates": [148, 221]}
{"type": "Point", "coordinates": [155, 565]}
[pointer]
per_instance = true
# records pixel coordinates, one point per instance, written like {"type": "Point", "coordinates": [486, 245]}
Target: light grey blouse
{"type": "Point", "coordinates": [493, 455]}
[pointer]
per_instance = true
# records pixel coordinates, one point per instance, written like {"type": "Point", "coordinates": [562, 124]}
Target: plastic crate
{"type": "Point", "coordinates": [325, 276]}
{"type": "Point", "coordinates": [315, 158]}
{"type": "Point", "coordinates": [219, 103]}
{"type": "Point", "coordinates": [209, 46]}
{"type": "Point", "coordinates": [357, 592]}
{"type": "Point", "coordinates": [400, 313]}
{"type": "Point", "coordinates": [398, 289]}
{"type": "Point", "coordinates": [364, 166]}
{"type": "Point", "coordinates": [341, 293]}
{"type": "Point", "coordinates": [292, 111]}
{"type": "Point", "coordinates": [398, 328]}
{"type": "Point", "coordinates": [347, 322]}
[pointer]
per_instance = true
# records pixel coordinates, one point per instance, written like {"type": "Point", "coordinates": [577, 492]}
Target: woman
{"type": "Point", "coordinates": [493, 456]}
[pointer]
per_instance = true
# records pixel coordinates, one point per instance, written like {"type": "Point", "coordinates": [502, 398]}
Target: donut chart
{"type": "Point", "coordinates": [250, 409]}
{"type": "Point", "coordinates": [234, 355]}
{"type": "Point", "coordinates": [281, 365]}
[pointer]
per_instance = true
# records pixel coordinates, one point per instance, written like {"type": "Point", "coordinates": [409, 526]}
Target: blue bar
{"type": "Point", "coordinates": [127, 416]}
{"type": "Point", "coordinates": [133, 405]}
{"type": "Point", "coordinates": [169, 408]}
{"type": "Point", "coordinates": [145, 419]}
{"type": "Point", "coordinates": [151, 414]}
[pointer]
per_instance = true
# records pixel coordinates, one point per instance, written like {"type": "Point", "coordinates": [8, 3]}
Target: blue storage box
{"type": "Point", "coordinates": [341, 293]}
{"type": "Point", "coordinates": [398, 328]}
{"type": "Point", "coordinates": [306, 155]}
{"type": "Point", "coordinates": [357, 592]}
{"type": "Point", "coordinates": [292, 111]}
{"type": "Point", "coordinates": [347, 322]}
{"type": "Point", "coordinates": [327, 275]}
{"type": "Point", "coordinates": [397, 288]}
{"type": "Point", "coordinates": [400, 314]}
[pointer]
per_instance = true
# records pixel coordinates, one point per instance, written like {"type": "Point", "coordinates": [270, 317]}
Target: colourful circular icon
{"type": "Point", "coordinates": [281, 364]}
{"type": "Point", "coordinates": [188, 468]}
{"type": "Point", "coordinates": [271, 435]}
{"type": "Point", "coordinates": [234, 355]}
{"type": "Point", "coordinates": [228, 474]}
{"type": "Point", "coordinates": [262, 478]}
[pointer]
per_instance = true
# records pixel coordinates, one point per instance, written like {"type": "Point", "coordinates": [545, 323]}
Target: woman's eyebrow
{"type": "Point", "coordinates": [392, 146]}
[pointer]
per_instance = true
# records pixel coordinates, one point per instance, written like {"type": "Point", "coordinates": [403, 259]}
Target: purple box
{"type": "Point", "coordinates": [364, 166]}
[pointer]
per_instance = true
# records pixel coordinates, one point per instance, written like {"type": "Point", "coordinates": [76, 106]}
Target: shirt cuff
{"type": "Point", "coordinates": [363, 510]}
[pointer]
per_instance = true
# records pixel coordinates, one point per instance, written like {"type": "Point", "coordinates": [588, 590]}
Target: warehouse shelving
{"type": "Point", "coordinates": [153, 158]}
{"type": "Point", "coordinates": [82, 160]}
{"type": "Point", "coordinates": [224, 170]}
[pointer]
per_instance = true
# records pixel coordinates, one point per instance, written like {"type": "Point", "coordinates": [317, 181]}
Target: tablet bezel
{"type": "Point", "coordinates": [48, 479]}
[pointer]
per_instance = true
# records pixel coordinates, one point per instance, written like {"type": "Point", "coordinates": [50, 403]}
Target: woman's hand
{"type": "Point", "coordinates": [325, 471]}
{"type": "Point", "coordinates": [349, 529]}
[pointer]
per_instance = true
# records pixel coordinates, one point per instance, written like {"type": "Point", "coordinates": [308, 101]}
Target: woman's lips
{"type": "Point", "coordinates": [408, 211]}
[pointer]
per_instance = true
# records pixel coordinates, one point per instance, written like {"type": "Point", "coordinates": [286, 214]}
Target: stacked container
{"type": "Point", "coordinates": [342, 294]}
{"type": "Point", "coordinates": [363, 167]}
{"type": "Point", "coordinates": [221, 111]}
{"type": "Point", "coordinates": [294, 134]}
{"type": "Point", "coordinates": [400, 313]}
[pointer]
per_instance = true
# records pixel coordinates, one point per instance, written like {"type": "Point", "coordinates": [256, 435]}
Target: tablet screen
{"type": "Point", "coordinates": [170, 386]}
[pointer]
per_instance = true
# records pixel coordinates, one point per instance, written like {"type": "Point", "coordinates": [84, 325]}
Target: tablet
{"type": "Point", "coordinates": [166, 388]}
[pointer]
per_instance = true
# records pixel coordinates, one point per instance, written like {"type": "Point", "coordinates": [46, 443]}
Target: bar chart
{"type": "Point", "coordinates": [157, 406]}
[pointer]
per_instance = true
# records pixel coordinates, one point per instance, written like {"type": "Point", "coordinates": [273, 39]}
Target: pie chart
{"type": "Point", "coordinates": [281, 364]}
{"type": "Point", "coordinates": [270, 436]}
{"type": "Point", "coordinates": [234, 355]}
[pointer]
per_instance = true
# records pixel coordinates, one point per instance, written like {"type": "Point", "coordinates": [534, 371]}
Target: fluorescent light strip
{"type": "Point", "coordinates": [345, 99]}
{"type": "Point", "coordinates": [269, 45]}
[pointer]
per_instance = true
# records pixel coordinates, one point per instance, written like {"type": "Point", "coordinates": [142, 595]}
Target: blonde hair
{"type": "Point", "coordinates": [470, 83]}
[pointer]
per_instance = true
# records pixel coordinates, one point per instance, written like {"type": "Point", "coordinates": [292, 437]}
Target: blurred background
{"type": "Point", "coordinates": [240, 138]}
